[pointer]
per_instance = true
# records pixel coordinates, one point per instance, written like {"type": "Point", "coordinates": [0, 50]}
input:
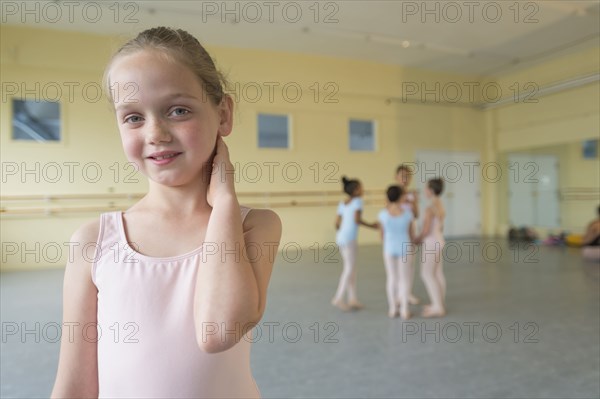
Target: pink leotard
{"type": "Point", "coordinates": [408, 205]}
{"type": "Point", "coordinates": [147, 347]}
{"type": "Point", "coordinates": [435, 238]}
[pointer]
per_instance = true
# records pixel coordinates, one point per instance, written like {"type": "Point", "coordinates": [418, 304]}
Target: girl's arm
{"type": "Point", "coordinates": [591, 232]}
{"type": "Point", "coordinates": [426, 225]}
{"type": "Point", "coordinates": [77, 374]}
{"type": "Point", "coordinates": [411, 232]}
{"type": "Point", "coordinates": [232, 280]}
{"type": "Point", "coordinates": [338, 222]}
{"type": "Point", "coordinates": [415, 205]}
{"type": "Point", "coordinates": [358, 219]}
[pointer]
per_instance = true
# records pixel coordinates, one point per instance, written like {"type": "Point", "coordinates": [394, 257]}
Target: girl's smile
{"type": "Point", "coordinates": [164, 157]}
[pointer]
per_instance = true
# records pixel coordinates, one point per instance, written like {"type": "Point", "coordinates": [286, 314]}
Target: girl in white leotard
{"type": "Point", "coordinates": [347, 221]}
{"type": "Point", "coordinates": [432, 240]}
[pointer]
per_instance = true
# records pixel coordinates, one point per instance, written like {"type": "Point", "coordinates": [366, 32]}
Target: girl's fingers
{"type": "Point", "coordinates": [222, 150]}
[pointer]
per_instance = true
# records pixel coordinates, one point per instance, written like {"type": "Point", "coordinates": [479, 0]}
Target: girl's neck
{"type": "Point", "coordinates": [394, 207]}
{"type": "Point", "coordinates": [180, 200]}
{"type": "Point", "coordinates": [350, 198]}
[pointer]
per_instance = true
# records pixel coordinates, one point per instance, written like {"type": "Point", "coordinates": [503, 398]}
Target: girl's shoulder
{"type": "Point", "coordinates": [436, 212]}
{"type": "Point", "coordinates": [87, 233]}
{"type": "Point", "coordinates": [396, 212]}
{"type": "Point", "coordinates": [353, 202]}
{"type": "Point", "coordinates": [78, 270]}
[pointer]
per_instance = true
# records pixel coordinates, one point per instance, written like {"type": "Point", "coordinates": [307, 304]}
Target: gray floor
{"type": "Point", "coordinates": [528, 324]}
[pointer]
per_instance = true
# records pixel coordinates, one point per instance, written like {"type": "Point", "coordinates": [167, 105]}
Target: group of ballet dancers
{"type": "Point", "coordinates": [396, 223]}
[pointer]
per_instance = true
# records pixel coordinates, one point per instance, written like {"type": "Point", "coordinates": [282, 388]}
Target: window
{"type": "Point", "coordinates": [273, 131]}
{"type": "Point", "coordinates": [590, 149]}
{"type": "Point", "coordinates": [36, 120]}
{"type": "Point", "coordinates": [362, 135]}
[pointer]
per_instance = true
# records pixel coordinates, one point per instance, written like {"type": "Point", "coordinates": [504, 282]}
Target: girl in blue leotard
{"type": "Point", "coordinates": [396, 224]}
{"type": "Point", "coordinates": [347, 222]}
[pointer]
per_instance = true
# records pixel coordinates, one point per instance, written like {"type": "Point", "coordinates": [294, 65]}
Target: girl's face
{"type": "Point", "coordinates": [168, 124]}
{"type": "Point", "coordinates": [403, 178]}
{"type": "Point", "coordinates": [358, 192]}
{"type": "Point", "coordinates": [428, 193]}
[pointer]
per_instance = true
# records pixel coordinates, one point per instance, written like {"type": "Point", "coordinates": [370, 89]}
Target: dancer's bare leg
{"type": "Point", "coordinates": [429, 274]}
{"type": "Point", "coordinates": [404, 286]}
{"type": "Point", "coordinates": [391, 284]}
{"type": "Point", "coordinates": [349, 258]}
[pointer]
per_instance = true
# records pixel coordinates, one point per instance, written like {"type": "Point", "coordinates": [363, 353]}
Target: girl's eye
{"type": "Point", "coordinates": [133, 119]}
{"type": "Point", "coordinates": [180, 111]}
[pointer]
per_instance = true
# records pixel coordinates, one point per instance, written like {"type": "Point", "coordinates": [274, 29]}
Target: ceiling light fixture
{"type": "Point", "coordinates": [384, 39]}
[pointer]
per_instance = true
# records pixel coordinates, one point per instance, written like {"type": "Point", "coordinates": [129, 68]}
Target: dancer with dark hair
{"type": "Point", "coordinates": [398, 236]}
{"type": "Point", "coordinates": [349, 217]}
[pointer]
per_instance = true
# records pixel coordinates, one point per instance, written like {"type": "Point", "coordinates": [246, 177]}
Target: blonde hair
{"type": "Point", "coordinates": [178, 45]}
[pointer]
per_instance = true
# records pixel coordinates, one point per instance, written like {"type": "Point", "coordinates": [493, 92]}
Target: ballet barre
{"type": "Point", "coordinates": [580, 194]}
{"type": "Point", "coordinates": [326, 198]}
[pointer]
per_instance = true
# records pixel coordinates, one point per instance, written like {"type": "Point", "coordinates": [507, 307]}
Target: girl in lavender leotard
{"type": "Point", "coordinates": [432, 240]}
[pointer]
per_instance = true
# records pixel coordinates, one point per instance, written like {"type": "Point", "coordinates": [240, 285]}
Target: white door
{"type": "Point", "coordinates": [466, 194]}
{"type": "Point", "coordinates": [533, 190]}
{"type": "Point", "coordinates": [461, 172]}
{"type": "Point", "coordinates": [521, 203]}
{"type": "Point", "coordinates": [547, 201]}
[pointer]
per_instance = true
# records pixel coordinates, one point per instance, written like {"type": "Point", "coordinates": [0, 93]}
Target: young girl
{"type": "Point", "coordinates": [409, 202]}
{"type": "Point", "coordinates": [403, 178]}
{"type": "Point", "coordinates": [347, 222]}
{"type": "Point", "coordinates": [398, 236]}
{"type": "Point", "coordinates": [433, 242]}
{"type": "Point", "coordinates": [591, 240]}
{"type": "Point", "coordinates": [171, 293]}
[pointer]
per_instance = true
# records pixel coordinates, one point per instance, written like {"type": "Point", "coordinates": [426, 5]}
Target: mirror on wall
{"type": "Point", "coordinates": [551, 187]}
{"type": "Point", "coordinates": [36, 120]}
{"type": "Point", "coordinates": [589, 149]}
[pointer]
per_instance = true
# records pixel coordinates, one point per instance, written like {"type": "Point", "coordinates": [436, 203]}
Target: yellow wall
{"type": "Point", "coordinates": [319, 132]}
{"type": "Point", "coordinates": [558, 118]}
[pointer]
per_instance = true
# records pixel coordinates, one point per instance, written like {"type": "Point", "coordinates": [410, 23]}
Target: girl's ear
{"type": "Point", "coordinates": [225, 110]}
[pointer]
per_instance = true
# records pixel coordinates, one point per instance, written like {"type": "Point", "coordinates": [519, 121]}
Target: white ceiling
{"type": "Point", "coordinates": [480, 41]}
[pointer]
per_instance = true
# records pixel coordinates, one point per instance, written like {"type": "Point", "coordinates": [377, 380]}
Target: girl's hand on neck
{"type": "Point", "coordinates": [221, 187]}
